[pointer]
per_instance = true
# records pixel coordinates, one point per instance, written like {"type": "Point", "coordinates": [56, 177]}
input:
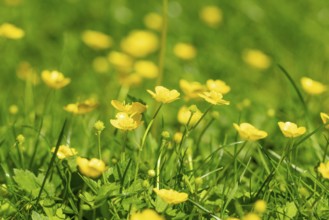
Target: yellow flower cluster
{"type": "Point", "coordinates": [147, 214]}
{"type": "Point", "coordinates": [83, 107]}
{"type": "Point", "coordinates": [10, 31]}
{"type": "Point", "coordinates": [164, 95]}
{"type": "Point", "coordinates": [171, 196]}
{"type": "Point", "coordinates": [91, 168]}
{"type": "Point", "coordinates": [54, 79]}
{"type": "Point", "coordinates": [249, 132]}
{"type": "Point", "coordinates": [64, 151]}
{"type": "Point", "coordinates": [153, 21]}
{"type": "Point", "coordinates": [189, 115]}
{"type": "Point", "coordinates": [291, 130]}
{"type": "Point", "coordinates": [129, 116]}
{"type": "Point", "coordinates": [211, 15]}
{"type": "Point", "coordinates": [96, 40]}
{"type": "Point", "coordinates": [185, 51]}
{"type": "Point", "coordinates": [256, 59]}
{"type": "Point", "coordinates": [311, 86]}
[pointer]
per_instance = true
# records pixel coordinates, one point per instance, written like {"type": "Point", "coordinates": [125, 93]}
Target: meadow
{"type": "Point", "coordinates": [172, 109]}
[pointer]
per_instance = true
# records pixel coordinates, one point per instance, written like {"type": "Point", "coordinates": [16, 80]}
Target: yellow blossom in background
{"type": "Point", "coordinates": [101, 65]}
{"type": "Point", "coordinates": [146, 69]}
{"type": "Point", "coordinates": [140, 43]}
{"type": "Point", "coordinates": [325, 119]}
{"type": "Point", "coordinates": [64, 151]}
{"type": "Point", "coordinates": [10, 31]}
{"type": "Point", "coordinates": [164, 95]}
{"type": "Point", "coordinates": [153, 21]}
{"type": "Point", "coordinates": [191, 89]}
{"type": "Point", "coordinates": [96, 40]}
{"type": "Point", "coordinates": [171, 196]}
{"type": "Point", "coordinates": [80, 108]}
{"type": "Point", "coordinates": [99, 126]}
{"type": "Point", "coordinates": [249, 132]}
{"type": "Point", "coordinates": [211, 15]}
{"type": "Point", "coordinates": [54, 79]}
{"type": "Point", "coordinates": [218, 86]}
{"type": "Point", "coordinates": [323, 169]}
{"type": "Point", "coordinates": [126, 122]}
{"type": "Point", "coordinates": [133, 108]}
{"type": "Point", "coordinates": [20, 139]}
{"type": "Point", "coordinates": [290, 129]}
{"type": "Point", "coordinates": [120, 61]}
{"type": "Point", "coordinates": [257, 59]}
{"type": "Point", "coordinates": [312, 87]}
{"type": "Point", "coordinates": [214, 98]}
{"type": "Point", "coordinates": [130, 79]}
{"type": "Point", "coordinates": [13, 2]}
{"type": "Point", "coordinates": [260, 206]}
{"type": "Point", "coordinates": [26, 72]}
{"type": "Point", "coordinates": [184, 115]}
{"type": "Point", "coordinates": [185, 51]}
{"type": "Point", "coordinates": [91, 168]}
{"type": "Point", "coordinates": [251, 216]}
{"type": "Point", "coordinates": [13, 109]}
{"type": "Point", "coordinates": [178, 137]}
{"type": "Point", "coordinates": [147, 214]}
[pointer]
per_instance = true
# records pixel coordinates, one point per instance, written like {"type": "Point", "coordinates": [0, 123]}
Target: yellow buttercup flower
{"type": "Point", "coordinates": [249, 132]}
{"type": "Point", "coordinates": [218, 86]}
{"type": "Point", "coordinates": [13, 109]}
{"type": "Point", "coordinates": [140, 43]}
{"type": "Point", "coordinates": [81, 107]}
{"type": "Point", "coordinates": [178, 137]}
{"type": "Point", "coordinates": [91, 168]}
{"type": "Point", "coordinates": [325, 119]}
{"type": "Point", "coordinates": [191, 89]}
{"type": "Point", "coordinates": [260, 206]}
{"type": "Point", "coordinates": [64, 151]}
{"type": "Point", "coordinates": [147, 214]}
{"type": "Point", "coordinates": [96, 40]}
{"type": "Point", "coordinates": [184, 115]}
{"type": "Point", "coordinates": [312, 87]}
{"type": "Point", "coordinates": [54, 79]}
{"type": "Point", "coordinates": [257, 59]}
{"type": "Point", "coordinates": [171, 196]}
{"type": "Point", "coordinates": [26, 72]}
{"type": "Point", "coordinates": [133, 108]}
{"type": "Point", "coordinates": [101, 64]}
{"type": "Point", "coordinates": [211, 15]}
{"type": "Point", "coordinates": [120, 61]}
{"type": "Point", "coordinates": [185, 51]}
{"type": "Point", "coordinates": [251, 216]}
{"type": "Point", "coordinates": [323, 169]}
{"type": "Point", "coordinates": [153, 21]}
{"type": "Point", "coordinates": [126, 122]}
{"type": "Point", "coordinates": [146, 69]}
{"type": "Point", "coordinates": [164, 95]}
{"type": "Point", "coordinates": [290, 129]}
{"type": "Point", "coordinates": [214, 98]}
{"type": "Point", "coordinates": [10, 31]}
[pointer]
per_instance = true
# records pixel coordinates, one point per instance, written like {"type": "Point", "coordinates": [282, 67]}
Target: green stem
{"type": "Point", "coordinates": [163, 40]}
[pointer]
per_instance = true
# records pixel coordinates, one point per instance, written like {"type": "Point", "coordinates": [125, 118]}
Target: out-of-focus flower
{"type": "Point", "coordinates": [323, 169]}
{"type": "Point", "coordinates": [130, 79]}
{"type": "Point", "coordinates": [146, 69]}
{"type": "Point", "coordinates": [260, 206]}
{"type": "Point", "coordinates": [191, 89]}
{"type": "Point", "coordinates": [140, 43]}
{"type": "Point", "coordinates": [126, 122]}
{"type": "Point", "coordinates": [178, 137]}
{"type": "Point", "coordinates": [325, 119]}
{"type": "Point", "coordinates": [249, 132]}
{"type": "Point", "coordinates": [99, 126]}
{"type": "Point", "coordinates": [153, 21]}
{"type": "Point", "coordinates": [64, 151]}
{"type": "Point", "coordinates": [133, 108]}
{"type": "Point", "coordinates": [211, 15]}
{"type": "Point", "coordinates": [257, 59]}
{"type": "Point", "coordinates": [312, 87]}
{"type": "Point", "coordinates": [251, 216]}
{"type": "Point", "coordinates": [10, 31]}
{"type": "Point", "coordinates": [185, 113]}
{"type": "Point", "coordinates": [20, 139]}
{"type": "Point", "coordinates": [13, 109]}
{"type": "Point", "coordinates": [121, 61]}
{"type": "Point", "coordinates": [91, 168]}
{"type": "Point", "coordinates": [214, 98]}
{"type": "Point", "coordinates": [13, 2]}
{"type": "Point", "coordinates": [290, 129]}
{"type": "Point", "coordinates": [218, 86]}
{"type": "Point", "coordinates": [171, 196]}
{"type": "Point", "coordinates": [164, 95]}
{"type": "Point", "coordinates": [101, 64]}
{"type": "Point", "coordinates": [54, 79]}
{"type": "Point", "coordinates": [185, 51]}
{"type": "Point", "coordinates": [26, 72]}
{"type": "Point", "coordinates": [147, 214]}
{"type": "Point", "coordinates": [96, 40]}
{"type": "Point", "coordinates": [80, 108]}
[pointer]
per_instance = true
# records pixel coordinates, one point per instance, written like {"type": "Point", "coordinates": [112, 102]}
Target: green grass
{"type": "Point", "coordinates": [222, 174]}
